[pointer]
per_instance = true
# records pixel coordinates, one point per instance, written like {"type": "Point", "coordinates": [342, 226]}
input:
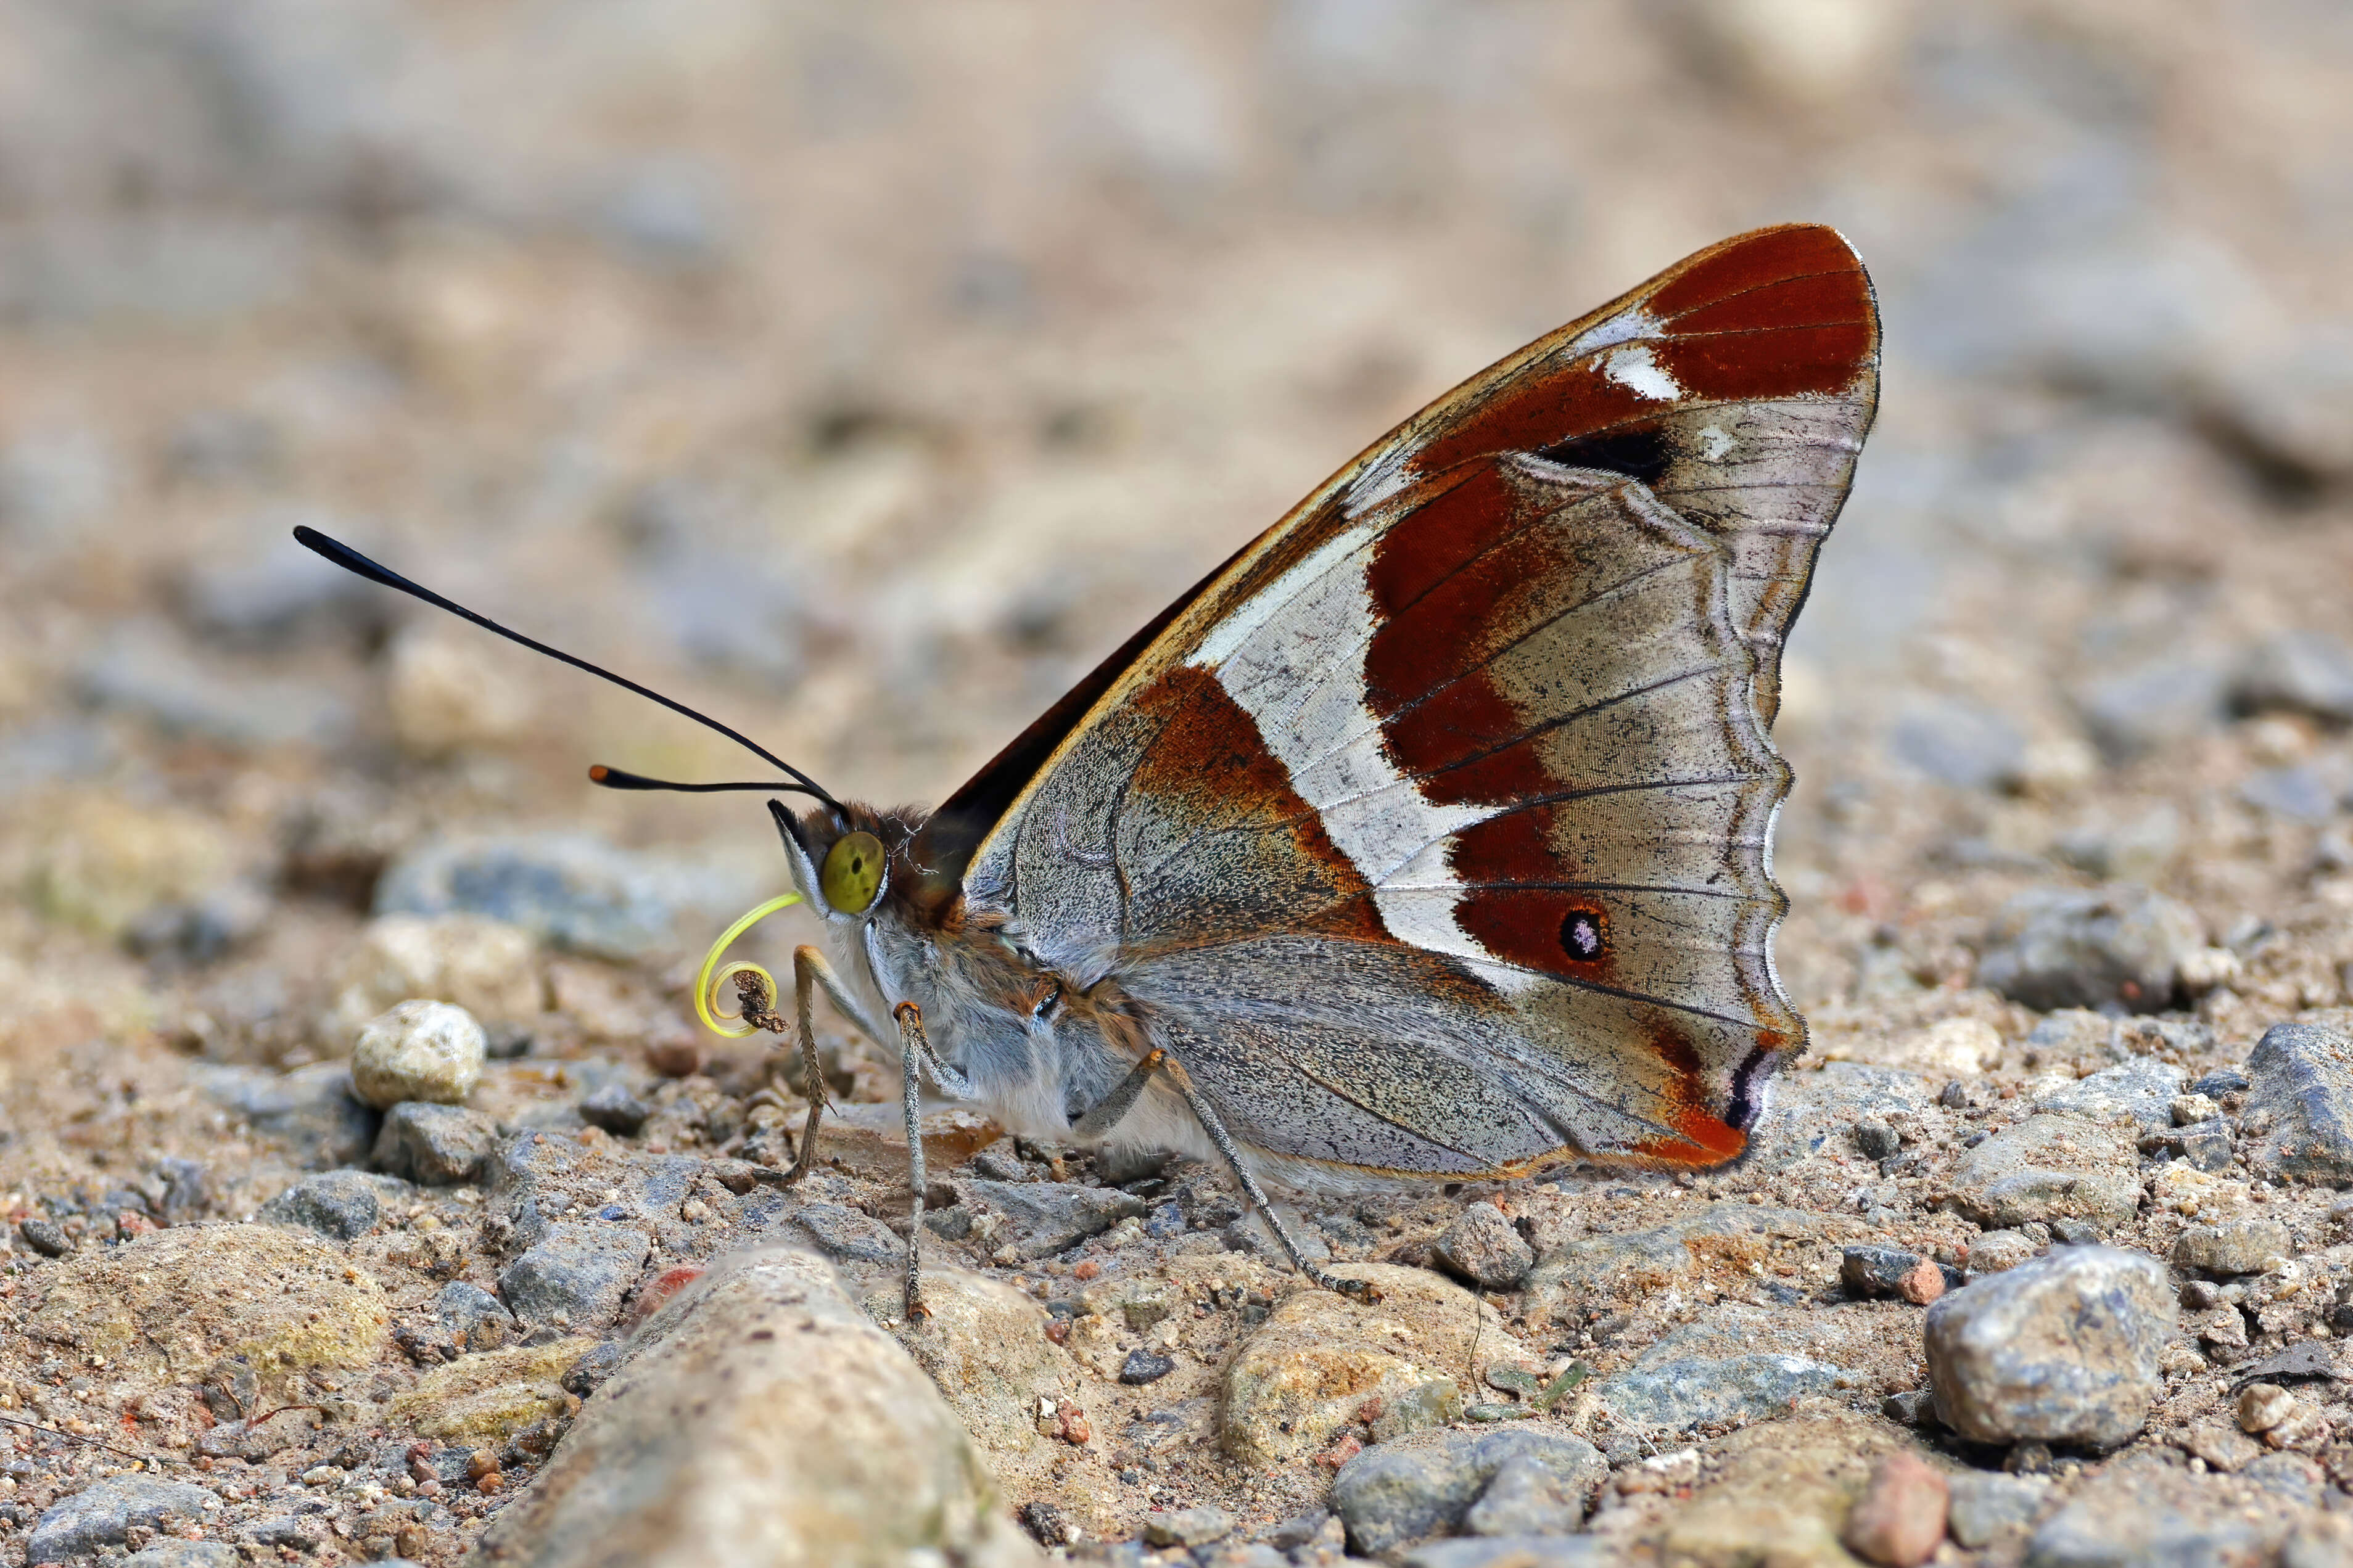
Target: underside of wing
{"type": "Point", "coordinates": [1434, 831]}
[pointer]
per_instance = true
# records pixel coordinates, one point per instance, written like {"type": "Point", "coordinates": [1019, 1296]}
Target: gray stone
{"type": "Point", "coordinates": [1999, 1251]}
{"type": "Point", "coordinates": [1483, 1248]}
{"type": "Point", "coordinates": [1516, 1552]}
{"type": "Point", "coordinates": [1188, 1526]}
{"type": "Point", "coordinates": [586, 1375]}
{"type": "Point", "coordinates": [199, 1554]}
{"type": "Point", "coordinates": [2219, 1082]}
{"type": "Point", "coordinates": [2139, 1512]}
{"type": "Point", "coordinates": [32, 754]}
{"type": "Point", "coordinates": [340, 1203]}
{"type": "Point", "coordinates": [436, 1145]}
{"type": "Point", "coordinates": [1528, 1497]}
{"type": "Point", "coordinates": [279, 598]}
{"type": "Point", "coordinates": [671, 211]}
{"type": "Point", "coordinates": [103, 1513]}
{"type": "Point", "coordinates": [2302, 1076]}
{"type": "Point", "coordinates": [2050, 1167]}
{"type": "Point", "coordinates": [2118, 946]}
{"type": "Point", "coordinates": [1143, 1366]}
{"type": "Point", "coordinates": [310, 1112]}
{"type": "Point", "coordinates": [1875, 1140]}
{"type": "Point", "coordinates": [2062, 1349]}
{"type": "Point", "coordinates": [44, 1236]}
{"type": "Point", "coordinates": [616, 1109]}
{"type": "Point", "coordinates": [2208, 1145]}
{"type": "Point", "coordinates": [1049, 1217]}
{"type": "Point", "coordinates": [2234, 1246]}
{"type": "Point", "coordinates": [845, 1235]}
{"type": "Point", "coordinates": [1681, 1392]}
{"type": "Point", "coordinates": [1959, 745]}
{"type": "Point", "coordinates": [762, 1419]}
{"type": "Point", "coordinates": [1417, 1486]}
{"type": "Point", "coordinates": [1987, 1503]}
{"type": "Point", "coordinates": [2153, 707]}
{"type": "Point", "coordinates": [145, 671]}
{"type": "Point", "coordinates": [2139, 848]}
{"type": "Point", "coordinates": [203, 930]}
{"type": "Point", "coordinates": [1598, 1266]}
{"type": "Point", "coordinates": [2143, 1088]}
{"type": "Point", "coordinates": [570, 890]}
{"type": "Point", "coordinates": [473, 1315]}
{"type": "Point", "coordinates": [2298, 671]}
{"type": "Point", "coordinates": [419, 1051]}
{"type": "Point", "coordinates": [576, 1276]}
{"type": "Point", "coordinates": [305, 1535]}
{"type": "Point", "coordinates": [2299, 793]}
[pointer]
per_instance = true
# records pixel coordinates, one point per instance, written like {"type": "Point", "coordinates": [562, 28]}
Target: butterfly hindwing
{"type": "Point", "coordinates": [1433, 834]}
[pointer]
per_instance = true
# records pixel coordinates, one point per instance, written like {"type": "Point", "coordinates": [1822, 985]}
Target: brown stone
{"type": "Point", "coordinates": [1900, 1517]}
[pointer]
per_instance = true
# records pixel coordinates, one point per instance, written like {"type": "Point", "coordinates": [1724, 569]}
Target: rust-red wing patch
{"type": "Point", "coordinates": [1255, 856]}
{"type": "Point", "coordinates": [1746, 263]}
{"type": "Point", "coordinates": [1782, 312]}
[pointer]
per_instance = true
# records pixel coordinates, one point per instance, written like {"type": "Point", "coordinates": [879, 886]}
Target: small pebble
{"type": "Point", "coordinates": [479, 1463]}
{"type": "Point", "coordinates": [1876, 1139]}
{"type": "Point", "coordinates": [1900, 1517]}
{"type": "Point", "coordinates": [1485, 1248]}
{"type": "Point", "coordinates": [616, 1109]}
{"type": "Point", "coordinates": [419, 1051]}
{"type": "Point", "coordinates": [1909, 1408]}
{"type": "Point", "coordinates": [44, 1238]}
{"type": "Point", "coordinates": [679, 1056]}
{"type": "Point", "coordinates": [1143, 1366]}
{"type": "Point", "coordinates": [2263, 1405]}
{"type": "Point", "coordinates": [2189, 1110]}
{"type": "Point", "coordinates": [2234, 1246]}
{"type": "Point", "coordinates": [1188, 1526]}
{"type": "Point", "coordinates": [1885, 1272]}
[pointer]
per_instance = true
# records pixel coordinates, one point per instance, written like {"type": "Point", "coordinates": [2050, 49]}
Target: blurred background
{"type": "Point", "coordinates": [862, 374]}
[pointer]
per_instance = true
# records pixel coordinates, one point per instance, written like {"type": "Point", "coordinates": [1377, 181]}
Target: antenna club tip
{"type": "Point", "coordinates": [598, 773]}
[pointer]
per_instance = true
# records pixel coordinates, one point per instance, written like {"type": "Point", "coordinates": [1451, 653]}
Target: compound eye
{"type": "Point", "coordinates": [852, 873]}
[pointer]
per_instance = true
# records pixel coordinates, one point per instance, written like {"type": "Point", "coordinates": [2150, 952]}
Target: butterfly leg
{"type": "Point", "coordinates": [1360, 1289]}
{"type": "Point", "coordinates": [810, 972]}
{"type": "Point", "coordinates": [1107, 1112]}
{"type": "Point", "coordinates": [915, 1055]}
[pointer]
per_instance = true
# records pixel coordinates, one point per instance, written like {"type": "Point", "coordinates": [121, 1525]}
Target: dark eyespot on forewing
{"type": "Point", "coordinates": [1640, 452]}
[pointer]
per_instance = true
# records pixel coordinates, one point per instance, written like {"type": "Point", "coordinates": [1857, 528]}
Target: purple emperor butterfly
{"type": "Point", "coordinates": [1429, 837]}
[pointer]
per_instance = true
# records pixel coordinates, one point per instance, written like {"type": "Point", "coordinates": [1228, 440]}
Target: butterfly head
{"type": "Point", "coordinates": [841, 857]}
{"type": "Point", "coordinates": [852, 861]}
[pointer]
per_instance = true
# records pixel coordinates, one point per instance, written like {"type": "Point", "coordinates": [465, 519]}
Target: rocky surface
{"type": "Point", "coordinates": [862, 375]}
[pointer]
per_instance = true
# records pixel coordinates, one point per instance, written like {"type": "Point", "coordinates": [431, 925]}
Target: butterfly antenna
{"type": "Point", "coordinates": [359, 565]}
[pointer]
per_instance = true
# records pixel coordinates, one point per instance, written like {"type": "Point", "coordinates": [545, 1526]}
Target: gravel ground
{"type": "Point", "coordinates": [861, 376]}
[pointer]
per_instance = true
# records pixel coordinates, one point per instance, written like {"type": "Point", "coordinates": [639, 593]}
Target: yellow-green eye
{"type": "Point", "coordinates": [853, 870]}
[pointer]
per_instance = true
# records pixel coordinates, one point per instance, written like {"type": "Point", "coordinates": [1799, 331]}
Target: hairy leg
{"type": "Point", "coordinates": [1360, 1289]}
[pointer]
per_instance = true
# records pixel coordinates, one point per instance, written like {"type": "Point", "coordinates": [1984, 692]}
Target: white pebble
{"type": "Point", "coordinates": [419, 1051]}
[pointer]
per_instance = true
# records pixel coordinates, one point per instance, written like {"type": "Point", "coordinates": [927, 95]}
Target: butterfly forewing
{"type": "Point", "coordinates": [1432, 834]}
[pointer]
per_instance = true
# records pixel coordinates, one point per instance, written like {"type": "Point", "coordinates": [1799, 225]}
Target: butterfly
{"type": "Point", "coordinates": [1429, 838]}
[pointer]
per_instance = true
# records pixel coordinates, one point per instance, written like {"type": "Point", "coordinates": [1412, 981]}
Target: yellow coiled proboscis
{"type": "Point", "coordinates": [713, 976]}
